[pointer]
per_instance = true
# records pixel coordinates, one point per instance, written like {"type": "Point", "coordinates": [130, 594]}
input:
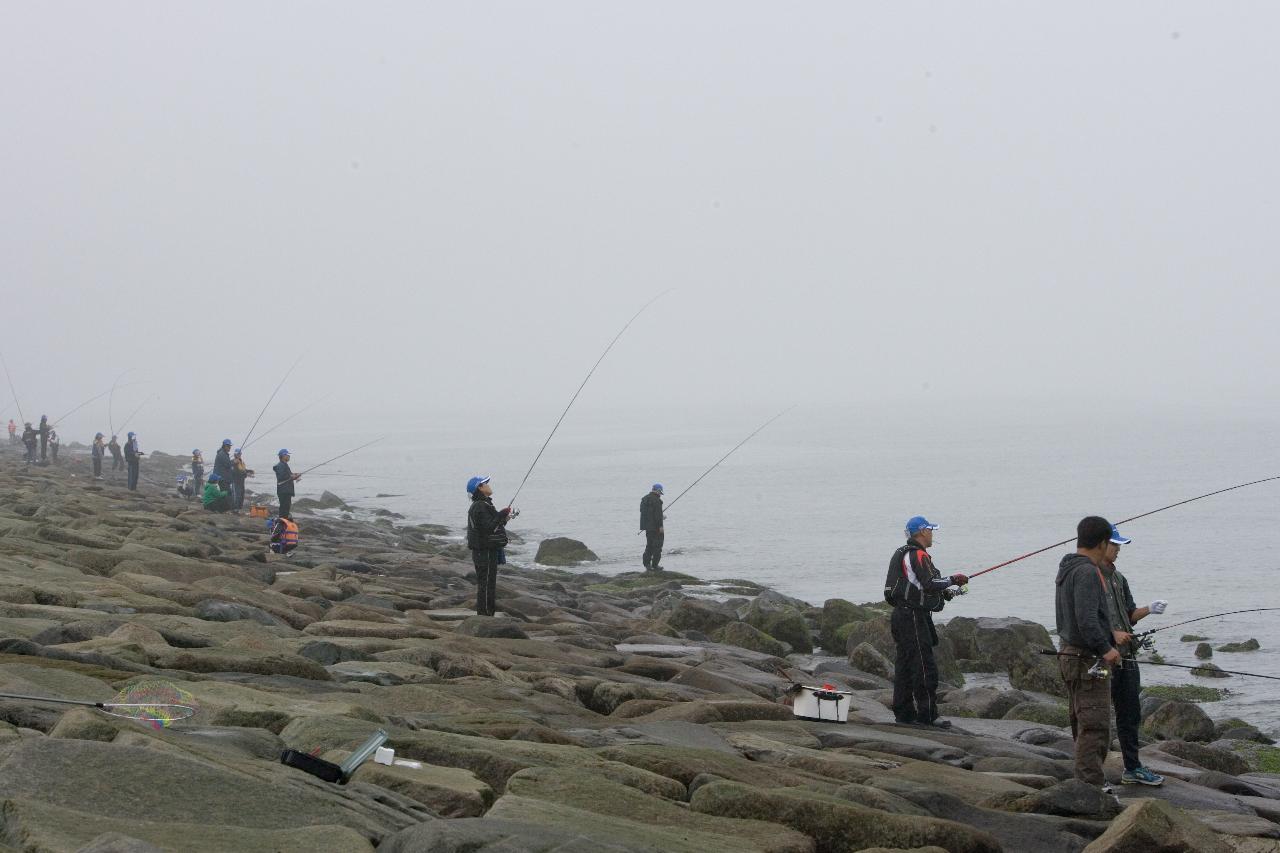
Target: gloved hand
{"type": "Point", "coordinates": [959, 580]}
{"type": "Point", "coordinates": [504, 513]}
{"type": "Point", "coordinates": [948, 594]}
{"type": "Point", "coordinates": [1158, 606]}
{"type": "Point", "coordinates": [514, 513]}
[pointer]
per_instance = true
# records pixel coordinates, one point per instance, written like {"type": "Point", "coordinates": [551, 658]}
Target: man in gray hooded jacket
{"type": "Point", "coordinates": [1084, 630]}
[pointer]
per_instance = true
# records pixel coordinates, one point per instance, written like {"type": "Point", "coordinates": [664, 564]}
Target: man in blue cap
{"type": "Point", "coordinates": [487, 539]}
{"type": "Point", "coordinates": [133, 458]}
{"type": "Point", "coordinates": [917, 590]}
{"type": "Point", "coordinates": [1126, 681]}
{"type": "Point", "coordinates": [285, 478]}
{"type": "Point", "coordinates": [222, 461]}
{"type": "Point", "coordinates": [651, 522]}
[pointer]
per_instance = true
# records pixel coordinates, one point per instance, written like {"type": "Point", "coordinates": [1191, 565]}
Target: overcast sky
{"type": "Point", "coordinates": [450, 208]}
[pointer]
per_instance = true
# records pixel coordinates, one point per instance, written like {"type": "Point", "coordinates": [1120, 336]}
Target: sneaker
{"type": "Point", "coordinates": [1106, 788]}
{"type": "Point", "coordinates": [1141, 776]}
{"type": "Point", "coordinates": [939, 723]}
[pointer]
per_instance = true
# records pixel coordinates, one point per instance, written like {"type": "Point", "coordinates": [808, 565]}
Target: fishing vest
{"type": "Point", "coordinates": [898, 588]}
{"type": "Point", "coordinates": [289, 539]}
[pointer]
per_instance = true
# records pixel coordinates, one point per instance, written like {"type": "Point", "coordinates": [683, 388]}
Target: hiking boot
{"type": "Point", "coordinates": [1106, 788]}
{"type": "Point", "coordinates": [939, 723]}
{"type": "Point", "coordinates": [1141, 776]}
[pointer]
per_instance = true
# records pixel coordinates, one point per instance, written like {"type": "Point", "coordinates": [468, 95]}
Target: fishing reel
{"type": "Point", "coordinates": [1099, 670]}
{"type": "Point", "coordinates": [1145, 642]}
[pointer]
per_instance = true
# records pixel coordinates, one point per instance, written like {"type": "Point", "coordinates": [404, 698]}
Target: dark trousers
{"type": "Point", "coordinates": [286, 505]}
{"type": "Point", "coordinates": [133, 476]}
{"type": "Point", "coordinates": [31, 452]}
{"type": "Point", "coordinates": [237, 494]}
{"type": "Point", "coordinates": [915, 672]}
{"type": "Point", "coordinates": [222, 504]}
{"type": "Point", "coordinates": [486, 563]}
{"type": "Point", "coordinates": [97, 466]}
{"type": "Point", "coordinates": [652, 549]}
{"type": "Point", "coordinates": [44, 449]}
{"type": "Point", "coordinates": [1126, 687]}
{"type": "Point", "coordinates": [117, 462]}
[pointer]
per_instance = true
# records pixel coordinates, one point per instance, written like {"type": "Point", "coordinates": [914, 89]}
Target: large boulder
{"type": "Point", "coordinates": [563, 551]}
{"type": "Point", "coordinates": [838, 825]}
{"type": "Point", "coordinates": [1208, 757]}
{"type": "Point", "coordinates": [876, 631]}
{"type": "Point", "coordinates": [986, 702]}
{"type": "Point", "coordinates": [1069, 798]}
{"type": "Point", "coordinates": [1179, 721]}
{"type": "Point", "coordinates": [781, 622]}
{"type": "Point", "coordinates": [1033, 671]}
{"type": "Point", "coordinates": [1040, 712]}
{"type": "Point", "coordinates": [1154, 825]}
{"type": "Point", "coordinates": [836, 612]}
{"type": "Point", "coordinates": [1250, 645]}
{"type": "Point", "coordinates": [692, 614]}
{"type": "Point", "coordinates": [867, 658]}
{"type": "Point", "coordinates": [744, 636]}
{"type": "Point", "coordinates": [1204, 651]}
{"type": "Point", "coordinates": [998, 640]}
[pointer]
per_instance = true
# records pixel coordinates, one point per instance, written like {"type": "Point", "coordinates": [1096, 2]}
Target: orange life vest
{"type": "Point", "coordinates": [290, 536]}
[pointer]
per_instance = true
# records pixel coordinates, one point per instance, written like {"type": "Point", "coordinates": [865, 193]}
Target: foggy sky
{"type": "Point", "coordinates": [450, 208]}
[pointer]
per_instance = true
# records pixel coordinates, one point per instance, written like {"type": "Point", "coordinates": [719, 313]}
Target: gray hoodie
{"type": "Point", "coordinates": [1081, 610]}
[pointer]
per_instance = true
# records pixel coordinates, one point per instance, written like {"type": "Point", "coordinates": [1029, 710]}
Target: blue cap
{"type": "Point", "coordinates": [132, 435]}
{"type": "Point", "coordinates": [657, 487]}
{"type": "Point", "coordinates": [195, 452]}
{"type": "Point", "coordinates": [237, 451]}
{"type": "Point", "coordinates": [284, 451]}
{"type": "Point", "coordinates": [917, 523]}
{"type": "Point", "coordinates": [214, 478]}
{"type": "Point", "coordinates": [1116, 538]}
{"type": "Point", "coordinates": [475, 483]}
{"type": "Point", "coordinates": [226, 442]}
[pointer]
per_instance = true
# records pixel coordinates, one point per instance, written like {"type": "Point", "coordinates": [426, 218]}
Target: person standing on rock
{"type": "Point", "coordinates": [117, 460]}
{"type": "Point", "coordinates": [133, 458]}
{"type": "Point", "coordinates": [222, 461]}
{"type": "Point", "coordinates": [29, 439]}
{"type": "Point", "coordinates": [55, 444]}
{"type": "Point", "coordinates": [487, 539]}
{"type": "Point", "coordinates": [1086, 639]}
{"type": "Point", "coordinates": [651, 522]}
{"type": "Point", "coordinates": [197, 471]}
{"type": "Point", "coordinates": [917, 590]}
{"type": "Point", "coordinates": [43, 430]}
{"type": "Point", "coordinates": [285, 478]}
{"type": "Point", "coordinates": [13, 432]}
{"type": "Point", "coordinates": [99, 451]}
{"type": "Point", "coordinates": [1126, 681]}
{"type": "Point", "coordinates": [239, 472]}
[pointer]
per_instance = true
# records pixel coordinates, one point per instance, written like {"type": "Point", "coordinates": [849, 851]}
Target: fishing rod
{"type": "Point", "coordinates": [726, 456]}
{"type": "Point", "coordinates": [574, 398]}
{"type": "Point", "coordinates": [249, 444]}
{"type": "Point", "coordinates": [111, 401]}
{"type": "Point", "coordinates": [58, 421]}
{"type": "Point", "coordinates": [11, 388]}
{"type": "Point", "coordinates": [1056, 653]}
{"type": "Point", "coordinates": [129, 419]}
{"type": "Point", "coordinates": [296, 362]}
{"type": "Point", "coordinates": [1202, 618]}
{"type": "Point", "coordinates": [334, 459]}
{"type": "Point", "coordinates": [1124, 521]}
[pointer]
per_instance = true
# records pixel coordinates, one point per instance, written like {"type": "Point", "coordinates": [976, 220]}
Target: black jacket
{"type": "Point", "coordinates": [651, 511]}
{"type": "Point", "coordinates": [222, 464]}
{"type": "Point", "coordinates": [284, 478]}
{"type": "Point", "coordinates": [926, 593]}
{"type": "Point", "coordinates": [131, 452]}
{"type": "Point", "coordinates": [486, 524]}
{"type": "Point", "coordinates": [1080, 608]}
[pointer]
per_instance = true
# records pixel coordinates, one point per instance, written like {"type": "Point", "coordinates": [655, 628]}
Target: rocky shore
{"type": "Point", "coordinates": [641, 712]}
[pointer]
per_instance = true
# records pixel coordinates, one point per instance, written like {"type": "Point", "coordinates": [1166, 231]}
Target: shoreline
{"type": "Point", "coordinates": [598, 701]}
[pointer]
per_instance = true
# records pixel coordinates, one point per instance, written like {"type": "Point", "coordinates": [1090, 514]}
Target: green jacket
{"type": "Point", "coordinates": [212, 494]}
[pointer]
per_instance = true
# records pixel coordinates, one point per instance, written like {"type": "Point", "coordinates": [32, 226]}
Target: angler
{"type": "Point", "coordinates": [651, 522]}
{"type": "Point", "coordinates": [43, 431]}
{"type": "Point", "coordinates": [99, 452]}
{"type": "Point", "coordinates": [239, 473]}
{"type": "Point", "coordinates": [29, 440]}
{"type": "Point", "coordinates": [133, 458]}
{"type": "Point", "coordinates": [222, 461]}
{"type": "Point", "coordinates": [285, 478]}
{"type": "Point", "coordinates": [1126, 680]}
{"type": "Point", "coordinates": [197, 471]}
{"type": "Point", "coordinates": [117, 459]}
{"type": "Point", "coordinates": [1084, 629]}
{"type": "Point", "coordinates": [215, 497]}
{"type": "Point", "coordinates": [487, 539]}
{"type": "Point", "coordinates": [917, 590]}
{"type": "Point", "coordinates": [284, 535]}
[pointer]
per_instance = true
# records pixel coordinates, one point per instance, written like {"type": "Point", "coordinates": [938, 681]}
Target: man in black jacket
{"type": "Point", "coordinates": [916, 590]}
{"type": "Point", "coordinates": [285, 478]}
{"type": "Point", "coordinates": [43, 430]}
{"type": "Point", "coordinates": [1086, 639]}
{"type": "Point", "coordinates": [133, 459]}
{"type": "Point", "coordinates": [222, 462]}
{"type": "Point", "coordinates": [486, 537]}
{"type": "Point", "coordinates": [651, 522]}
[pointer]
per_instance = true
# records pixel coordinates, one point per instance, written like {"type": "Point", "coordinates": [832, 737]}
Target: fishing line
{"type": "Point", "coordinates": [1159, 663]}
{"type": "Point", "coordinates": [1202, 618]}
{"type": "Point", "coordinates": [313, 404]}
{"type": "Point", "coordinates": [726, 456]}
{"type": "Point", "coordinates": [129, 419]}
{"type": "Point", "coordinates": [111, 420]}
{"type": "Point", "coordinates": [11, 388]}
{"type": "Point", "coordinates": [296, 362]}
{"type": "Point", "coordinates": [1124, 521]}
{"type": "Point", "coordinates": [334, 459]}
{"type": "Point", "coordinates": [574, 398]}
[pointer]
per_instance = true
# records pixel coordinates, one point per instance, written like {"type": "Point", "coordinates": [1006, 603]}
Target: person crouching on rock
{"type": "Point", "coordinates": [216, 498]}
{"type": "Point", "coordinates": [1126, 681]}
{"type": "Point", "coordinates": [284, 536]}
{"type": "Point", "coordinates": [916, 590]}
{"type": "Point", "coordinates": [487, 539]}
{"type": "Point", "coordinates": [1084, 631]}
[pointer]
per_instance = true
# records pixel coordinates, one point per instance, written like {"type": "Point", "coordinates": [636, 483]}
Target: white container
{"type": "Point", "coordinates": [384, 755]}
{"type": "Point", "coordinates": [821, 704]}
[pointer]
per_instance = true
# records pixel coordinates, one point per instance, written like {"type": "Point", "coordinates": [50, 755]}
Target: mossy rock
{"type": "Point", "coordinates": [744, 636]}
{"type": "Point", "coordinates": [1185, 693]}
{"type": "Point", "coordinates": [1204, 651]}
{"type": "Point", "coordinates": [1250, 645]}
{"type": "Point", "coordinates": [836, 612]}
{"type": "Point", "coordinates": [1210, 670]}
{"type": "Point", "coordinates": [563, 551]}
{"type": "Point", "coordinates": [1192, 638]}
{"type": "Point", "coordinates": [1040, 712]}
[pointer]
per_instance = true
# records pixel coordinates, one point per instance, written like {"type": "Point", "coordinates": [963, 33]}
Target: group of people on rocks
{"type": "Point", "coordinates": [1097, 659]}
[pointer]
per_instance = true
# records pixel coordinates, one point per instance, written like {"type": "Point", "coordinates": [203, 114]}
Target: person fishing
{"type": "Point", "coordinates": [197, 471]}
{"type": "Point", "coordinates": [13, 432]}
{"type": "Point", "coordinates": [1087, 646]}
{"type": "Point", "coordinates": [222, 461]}
{"type": "Point", "coordinates": [284, 535]}
{"type": "Point", "coordinates": [239, 472]}
{"type": "Point", "coordinates": [651, 522]}
{"type": "Point", "coordinates": [215, 497]}
{"type": "Point", "coordinates": [1126, 681]}
{"type": "Point", "coordinates": [487, 539]}
{"type": "Point", "coordinates": [29, 440]}
{"type": "Point", "coordinates": [98, 450]}
{"type": "Point", "coordinates": [54, 444]}
{"type": "Point", "coordinates": [285, 478]}
{"type": "Point", "coordinates": [43, 430]}
{"type": "Point", "coordinates": [133, 458]}
{"type": "Point", "coordinates": [917, 590]}
{"type": "Point", "coordinates": [117, 460]}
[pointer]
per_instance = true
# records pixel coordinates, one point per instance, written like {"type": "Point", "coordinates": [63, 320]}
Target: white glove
{"type": "Point", "coordinates": [1158, 606]}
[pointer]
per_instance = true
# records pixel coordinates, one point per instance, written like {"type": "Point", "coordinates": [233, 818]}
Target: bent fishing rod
{"type": "Point", "coordinates": [1202, 618]}
{"type": "Point", "coordinates": [574, 398]}
{"type": "Point", "coordinates": [268, 432]}
{"type": "Point", "coordinates": [12, 390]}
{"type": "Point", "coordinates": [1135, 662]}
{"type": "Point", "coordinates": [334, 459]}
{"type": "Point", "coordinates": [129, 419]}
{"type": "Point", "coordinates": [726, 456]}
{"type": "Point", "coordinates": [1124, 521]}
{"type": "Point", "coordinates": [296, 362]}
{"type": "Point", "coordinates": [111, 401]}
